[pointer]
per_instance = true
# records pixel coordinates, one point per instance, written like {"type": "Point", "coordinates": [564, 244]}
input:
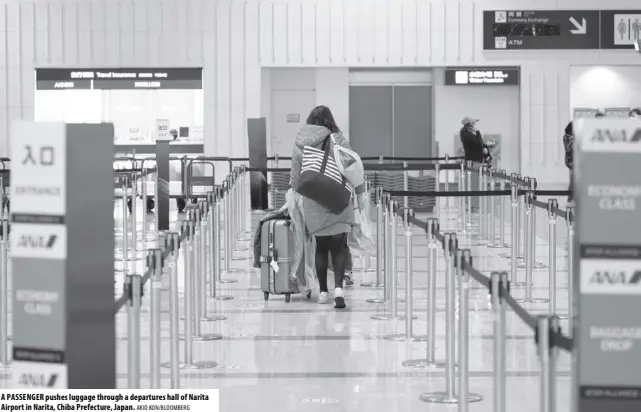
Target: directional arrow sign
{"type": "Point", "coordinates": [540, 29]}
{"type": "Point", "coordinates": [581, 28]}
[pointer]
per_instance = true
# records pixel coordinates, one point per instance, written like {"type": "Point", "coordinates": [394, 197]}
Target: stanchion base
{"type": "Point", "coordinates": [533, 300]}
{"type": "Point", "coordinates": [443, 397]}
{"type": "Point", "coordinates": [208, 318]}
{"type": "Point", "coordinates": [372, 285]}
{"type": "Point", "coordinates": [192, 365]}
{"type": "Point", "coordinates": [390, 317]}
{"type": "Point", "coordinates": [539, 265]}
{"type": "Point", "coordinates": [376, 300]}
{"type": "Point", "coordinates": [237, 258]}
{"type": "Point", "coordinates": [222, 297]}
{"type": "Point", "coordinates": [561, 317]}
{"type": "Point", "coordinates": [204, 337]}
{"type": "Point", "coordinates": [498, 246]}
{"type": "Point", "coordinates": [402, 338]}
{"type": "Point", "coordinates": [424, 364]}
{"type": "Point", "coordinates": [227, 281]}
{"type": "Point", "coordinates": [517, 284]}
{"type": "Point", "coordinates": [370, 270]}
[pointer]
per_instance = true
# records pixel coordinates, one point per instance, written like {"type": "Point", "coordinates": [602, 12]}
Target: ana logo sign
{"type": "Point", "coordinates": [616, 136]}
{"type": "Point", "coordinates": [616, 278]}
{"type": "Point", "coordinates": [611, 277]}
{"type": "Point", "coordinates": [37, 242]}
{"type": "Point", "coordinates": [35, 380]}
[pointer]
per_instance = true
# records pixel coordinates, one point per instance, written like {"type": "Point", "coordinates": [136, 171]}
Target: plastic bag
{"type": "Point", "coordinates": [349, 164]}
{"type": "Point", "coordinates": [305, 252]}
{"type": "Point", "coordinates": [361, 238]}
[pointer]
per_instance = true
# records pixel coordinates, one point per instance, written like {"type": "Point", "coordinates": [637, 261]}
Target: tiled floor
{"type": "Point", "coordinates": [283, 357]}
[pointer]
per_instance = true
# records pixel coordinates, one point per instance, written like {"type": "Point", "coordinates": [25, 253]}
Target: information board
{"type": "Point", "coordinates": [607, 191]}
{"type": "Point", "coordinates": [540, 29]}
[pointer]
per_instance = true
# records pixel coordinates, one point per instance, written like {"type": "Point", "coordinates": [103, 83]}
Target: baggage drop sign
{"type": "Point", "coordinates": [608, 244]}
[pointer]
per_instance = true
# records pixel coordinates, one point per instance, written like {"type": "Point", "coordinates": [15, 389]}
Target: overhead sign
{"type": "Point", "coordinates": [540, 29]}
{"type": "Point", "coordinates": [608, 223]}
{"type": "Point", "coordinates": [620, 29]}
{"type": "Point", "coordinates": [561, 29]}
{"type": "Point", "coordinates": [481, 76]}
{"type": "Point", "coordinates": [119, 78]}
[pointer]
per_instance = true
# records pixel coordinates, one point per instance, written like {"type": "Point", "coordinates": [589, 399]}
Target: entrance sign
{"type": "Point", "coordinates": [540, 29]}
{"type": "Point", "coordinates": [62, 255]}
{"type": "Point", "coordinates": [608, 213]}
{"type": "Point", "coordinates": [481, 76]}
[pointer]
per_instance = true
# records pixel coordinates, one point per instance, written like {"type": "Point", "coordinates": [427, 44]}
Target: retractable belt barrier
{"type": "Point", "coordinates": [199, 244]}
{"type": "Point", "coordinates": [206, 240]}
{"type": "Point", "coordinates": [460, 271]}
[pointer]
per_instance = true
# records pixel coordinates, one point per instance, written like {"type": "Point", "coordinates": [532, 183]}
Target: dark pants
{"type": "Point", "coordinates": [571, 187]}
{"type": "Point", "coordinates": [334, 245]}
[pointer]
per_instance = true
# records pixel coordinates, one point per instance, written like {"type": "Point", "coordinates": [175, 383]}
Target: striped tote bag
{"type": "Point", "coordinates": [321, 180]}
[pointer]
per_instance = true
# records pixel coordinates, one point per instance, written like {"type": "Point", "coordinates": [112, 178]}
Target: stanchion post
{"type": "Point", "coordinates": [468, 178]}
{"type": "Point", "coordinates": [482, 186]}
{"type": "Point", "coordinates": [502, 243]}
{"type": "Point", "coordinates": [134, 289]}
{"type": "Point", "coordinates": [214, 234]}
{"type": "Point", "coordinates": [437, 188]}
{"type": "Point", "coordinates": [125, 224]}
{"type": "Point", "coordinates": [408, 336]}
{"type": "Point", "coordinates": [4, 295]}
{"type": "Point", "coordinates": [390, 273]}
{"type": "Point", "coordinates": [450, 245]}
{"type": "Point", "coordinates": [190, 315]}
{"type": "Point", "coordinates": [499, 282]}
{"type": "Point", "coordinates": [552, 207]}
{"type": "Point", "coordinates": [544, 345]}
{"type": "Point", "coordinates": [134, 217]}
{"type": "Point", "coordinates": [394, 257]}
{"type": "Point", "coordinates": [514, 236]}
{"type": "Point", "coordinates": [380, 246]}
{"type": "Point", "coordinates": [430, 358]}
{"type": "Point", "coordinates": [172, 243]}
{"type": "Point", "coordinates": [368, 213]}
{"type": "Point", "coordinates": [155, 263]}
{"type": "Point", "coordinates": [464, 258]}
{"type": "Point", "coordinates": [520, 224]}
{"type": "Point", "coordinates": [143, 189]}
{"type": "Point", "coordinates": [535, 264]}
{"type": "Point", "coordinates": [570, 227]}
{"type": "Point", "coordinates": [461, 200]}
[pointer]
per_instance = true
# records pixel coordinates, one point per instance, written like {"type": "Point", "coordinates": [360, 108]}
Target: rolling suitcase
{"type": "Point", "coordinates": [277, 257]}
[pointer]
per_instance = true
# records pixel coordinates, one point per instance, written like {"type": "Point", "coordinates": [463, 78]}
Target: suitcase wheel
{"type": "Point", "coordinates": [288, 297]}
{"type": "Point", "coordinates": [309, 295]}
{"type": "Point", "coordinates": [266, 295]}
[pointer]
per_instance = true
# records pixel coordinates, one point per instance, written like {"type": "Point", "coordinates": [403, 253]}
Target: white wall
{"type": "Point", "coordinates": [497, 108]}
{"type": "Point", "coordinates": [231, 40]}
{"type": "Point", "coordinates": [600, 87]}
{"type": "Point", "coordinates": [332, 90]}
{"type": "Point", "coordinates": [330, 87]}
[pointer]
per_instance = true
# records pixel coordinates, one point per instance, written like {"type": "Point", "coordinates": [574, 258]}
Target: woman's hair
{"type": "Point", "coordinates": [635, 112]}
{"type": "Point", "coordinates": [569, 129]}
{"type": "Point", "coordinates": [322, 116]}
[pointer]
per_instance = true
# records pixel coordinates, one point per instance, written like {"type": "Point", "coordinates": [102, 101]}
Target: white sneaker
{"type": "Point", "coordinates": [323, 298]}
{"type": "Point", "coordinates": [339, 299]}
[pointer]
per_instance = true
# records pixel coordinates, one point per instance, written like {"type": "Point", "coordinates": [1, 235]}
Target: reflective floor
{"type": "Point", "coordinates": [278, 357]}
